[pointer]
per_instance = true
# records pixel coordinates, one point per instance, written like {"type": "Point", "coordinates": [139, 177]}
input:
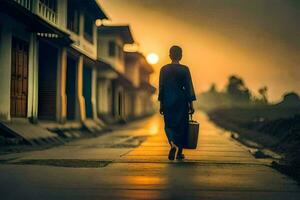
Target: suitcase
{"type": "Point", "coordinates": [192, 135]}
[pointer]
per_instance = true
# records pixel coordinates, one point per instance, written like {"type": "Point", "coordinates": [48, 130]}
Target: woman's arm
{"type": "Point", "coordinates": [191, 108]}
{"type": "Point", "coordinates": [190, 87]}
{"type": "Point", "coordinates": [190, 91]}
{"type": "Point", "coordinates": [160, 91]}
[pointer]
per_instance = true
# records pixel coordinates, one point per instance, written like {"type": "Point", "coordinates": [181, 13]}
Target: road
{"type": "Point", "coordinates": [131, 163]}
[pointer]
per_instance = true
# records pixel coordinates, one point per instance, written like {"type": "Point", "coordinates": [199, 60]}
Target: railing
{"type": "Point", "coordinates": [39, 8]}
{"type": "Point", "coordinates": [47, 13]}
{"type": "Point", "coordinates": [25, 3]}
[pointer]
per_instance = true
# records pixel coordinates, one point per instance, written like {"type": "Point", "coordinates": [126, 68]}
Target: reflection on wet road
{"type": "Point", "coordinates": [220, 168]}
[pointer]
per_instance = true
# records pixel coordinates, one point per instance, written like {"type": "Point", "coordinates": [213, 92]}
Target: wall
{"type": "Point", "coordinates": [132, 73]}
{"type": "Point", "coordinates": [5, 70]}
{"type": "Point", "coordinates": [81, 44]}
{"type": "Point", "coordinates": [143, 104]}
{"type": "Point", "coordinates": [103, 43]}
{"type": "Point", "coordinates": [104, 96]}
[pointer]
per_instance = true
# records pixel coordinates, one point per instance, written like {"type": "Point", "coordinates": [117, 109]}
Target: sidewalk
{"type": "Point", "coordinates": [220, 168]}
{"type": "Point", "coordinates": [214, 146]}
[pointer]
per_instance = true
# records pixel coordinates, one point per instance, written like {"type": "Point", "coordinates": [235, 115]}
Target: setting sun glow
{"type": "Point", "coordinates": [152, 58]}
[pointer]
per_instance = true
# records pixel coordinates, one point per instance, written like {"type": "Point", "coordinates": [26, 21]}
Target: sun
{"type": "Point", "coordinates": [152, 58]}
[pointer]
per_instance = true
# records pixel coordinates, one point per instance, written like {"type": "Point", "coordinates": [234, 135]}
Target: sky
{"type": "Point", "coordinates": [258, 40]}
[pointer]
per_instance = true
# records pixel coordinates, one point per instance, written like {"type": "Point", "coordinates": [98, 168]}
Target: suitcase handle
{"type": "Point", "coordinates": [191, 117]}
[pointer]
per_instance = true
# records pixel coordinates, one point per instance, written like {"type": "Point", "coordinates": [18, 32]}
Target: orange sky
{"type": "Point", "coordinates": [254, 39]}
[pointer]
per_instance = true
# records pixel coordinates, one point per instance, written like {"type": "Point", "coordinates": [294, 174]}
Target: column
{"type": "Point", "coordinates": [94, 93]}
{"type": "Point", "coordinates": [33, 79]}
{"type": "Point", "coordinates": [81, 101]}
{"type": "Point", "coordinates": [62, 97]}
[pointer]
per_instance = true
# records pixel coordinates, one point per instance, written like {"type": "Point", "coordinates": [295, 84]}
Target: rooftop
{"type": "Point", "coordinates": [138, 57]}
{"type": "Point", "coordinates": [123, 31]}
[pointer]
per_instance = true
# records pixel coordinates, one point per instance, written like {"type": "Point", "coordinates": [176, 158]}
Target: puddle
{"type": "Point", "coordinates": [72, 163]}
{"type": "Point", "coordinates": [131, 142]}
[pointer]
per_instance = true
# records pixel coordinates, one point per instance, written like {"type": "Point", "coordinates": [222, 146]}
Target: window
{"type": "Point", "coordinates": [52, 4]}
{"type": "Point", "coordinates": [111, 48]}
{"type": "Point", "coordinates": [73, 17]}
{"type": "Point", "coordinates": [88, 28]}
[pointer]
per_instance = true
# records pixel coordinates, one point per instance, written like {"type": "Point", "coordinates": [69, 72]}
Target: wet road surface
{"type": "Point", "coordinates": [131, 163]}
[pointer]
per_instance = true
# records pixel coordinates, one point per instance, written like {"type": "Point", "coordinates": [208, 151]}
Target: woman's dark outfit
{"type": "Point", "coordinates": [176, 91]}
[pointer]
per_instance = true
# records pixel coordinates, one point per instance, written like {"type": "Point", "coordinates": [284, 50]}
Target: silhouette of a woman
{"type": "Point", "coordinates": [176, 96]}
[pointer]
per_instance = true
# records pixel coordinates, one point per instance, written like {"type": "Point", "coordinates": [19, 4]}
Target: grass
{"type": "Point", "coordinates": [272, 127]}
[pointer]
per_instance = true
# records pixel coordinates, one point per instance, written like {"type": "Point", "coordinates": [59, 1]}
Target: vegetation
{"type": "Point", "coordinates": [274, 126]}
{"type": "Point", "coordinates": [237, 95]}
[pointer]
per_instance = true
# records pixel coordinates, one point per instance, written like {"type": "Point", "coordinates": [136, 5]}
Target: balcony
{"type": "Point", "coordinates": [25, 3]}
{"type": "Point", "coordinates": [47, 13]}
{"type": "Point", "coordinates": [39, 7]}
{"type": "Point", "coordinates": [41, 19]}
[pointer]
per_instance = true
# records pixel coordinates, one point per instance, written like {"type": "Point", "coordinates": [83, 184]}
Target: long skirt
{"type": "Point", "coordinates": [176, 126]}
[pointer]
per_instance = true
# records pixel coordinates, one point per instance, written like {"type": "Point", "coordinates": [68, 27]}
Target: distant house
{"type": "Point", "coordinates": [138, 70]}
{"type": "Point", "coordinates": [121, 76]}
{"type": "Point", "coordinates": [111, 97]}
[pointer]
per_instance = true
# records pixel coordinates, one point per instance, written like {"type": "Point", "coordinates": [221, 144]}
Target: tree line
{"type": "Point", "coordinates": [237, 94]}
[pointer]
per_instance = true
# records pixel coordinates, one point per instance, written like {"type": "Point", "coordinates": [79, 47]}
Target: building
{"type": "Point", "coordinates": [123, 79]}
{"type": "Point", "coordinates": [23, 25]}
{"type": "Point", "coordinates": [81, 71]}
{"type": "Point", "coordinates": [59, 71]}
{"type": "Point", "coordinates": [111, 79]}
{"type": "Point", "coordinates": [47, 62]}
{"type": "Point", "coordinates": [138, 70]}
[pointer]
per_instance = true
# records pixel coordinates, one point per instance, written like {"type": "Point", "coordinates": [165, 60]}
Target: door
{"type": "Point", "coordinates": [71, 88]}
{"type": "Point", "coordinates": [120, 106]}
{"type": "Point", "coordinates": [118, 100]}
{"type": "Point", "coordinates": [19, 78]}
{"type": "Point", "coordinates": [114, 101]}
{"type": "Point", "coordinates": [87, 91]}
{"type": "Point", "coordinates": [48, 60]}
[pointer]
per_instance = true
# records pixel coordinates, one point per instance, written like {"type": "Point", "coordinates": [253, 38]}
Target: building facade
{"type": "Point", "coordinates": [27, 29]}
{"type": "Point", "coordinates": [124, 83]}
{"type": "Point", "coordinates": [57, 66]}
{"type": "Point", "coordinates": [111, 79]}
{"type": "Point", "coordinates": [48, 54]}
{"type": "Point", "coordinates": [138, 71]}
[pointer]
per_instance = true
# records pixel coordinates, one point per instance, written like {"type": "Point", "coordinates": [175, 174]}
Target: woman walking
{"type": "Point", "coordinates": [176, 96]}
